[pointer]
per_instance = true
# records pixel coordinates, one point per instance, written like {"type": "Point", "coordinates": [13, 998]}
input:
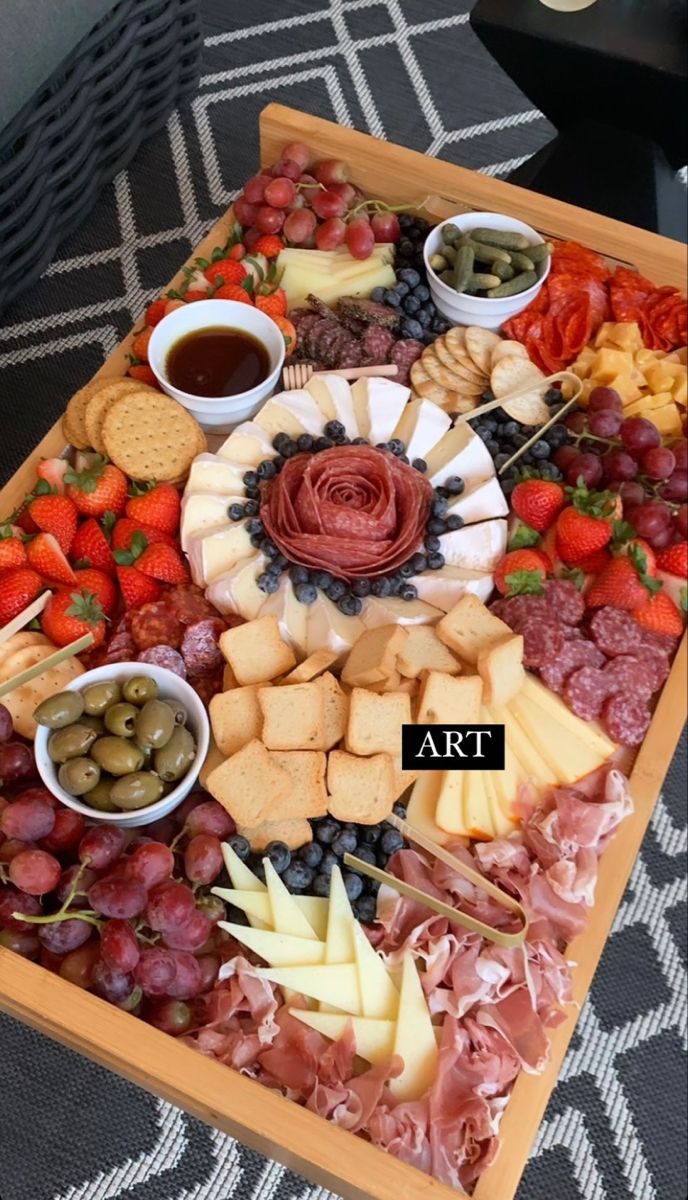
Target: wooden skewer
{"type": "Point", "coordinates": [27, 614]}
{"type": "Point", "coordinates": [537, 435]}
{"type": "Point", "coordinates": [297, 374]}
{"type": "Point", "coordinates": [46, 664]}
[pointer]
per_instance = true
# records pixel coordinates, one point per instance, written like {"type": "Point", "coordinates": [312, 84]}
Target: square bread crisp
{"type": "Point", "coordinates": [450, 699]}
{"type": "Point", "coordinates": [373, 656]}
{"type": "Point", "coordinates": [236, 718]}
{"type": "Point", "coordinates": [375, 722]}
{"type": "Point", "coordinates": [312, 666]}
{"type": "Point", "coordinates": [250, 785]}
{"type": "Point", "coordinates": [309, 797]}
{"type": "Point", "coordinates": [335, 710]}
{"type": "Point", "coordinates": [501, 670]}
{"type": "Point", "coordinates": [255, 651]}
{"type": "Point", "coordinates": [361, 789]}
{"type": "Point", "coordinates": [293, 833]}
{"type": "Point", "coordinates": [293, 717]}
{"type": "Point", "coordinates": [469, 628]}
{"type": "Point", "coordinates": [424, 651]}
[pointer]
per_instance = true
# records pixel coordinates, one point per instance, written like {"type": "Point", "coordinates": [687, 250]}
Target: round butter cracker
{"type": "Point", "coordinates": [73, 419]}
{"type": "Point", "coordinates": [148, 435]}
{"type": "Point", "coordinates": [98, 405]}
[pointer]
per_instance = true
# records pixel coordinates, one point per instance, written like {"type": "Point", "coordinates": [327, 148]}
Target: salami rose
{"type": "Point", "coordinates": [351, 510]}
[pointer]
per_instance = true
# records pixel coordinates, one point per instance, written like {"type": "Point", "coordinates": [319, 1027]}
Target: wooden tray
{"type": "Point", "coordinates": [246, 1110]}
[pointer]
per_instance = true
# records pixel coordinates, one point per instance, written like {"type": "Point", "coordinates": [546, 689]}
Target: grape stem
{"type": "Point", "coordinates": [87, 915]}
{"type": "Point", "coordinates": [378, 206]}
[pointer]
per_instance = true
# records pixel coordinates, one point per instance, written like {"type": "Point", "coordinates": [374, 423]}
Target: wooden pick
{"type": "Point", "coordinates": [27, 614]}
{"type": "Point", "coordinates": [537, 435]}
{"type": "Point", "coordinates": [46, 664]}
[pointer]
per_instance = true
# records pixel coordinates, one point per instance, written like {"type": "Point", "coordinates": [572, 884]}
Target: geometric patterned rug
{"type": "Point", "coordinates": [410, 71]}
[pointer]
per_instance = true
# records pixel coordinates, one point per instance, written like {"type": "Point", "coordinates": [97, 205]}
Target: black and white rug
{"type": "Point", "coordinates": [410, 71]}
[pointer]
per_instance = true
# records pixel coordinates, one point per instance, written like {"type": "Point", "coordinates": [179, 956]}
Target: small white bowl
{"type": "Point", "coordinates": [463, 309]}
{"type": "Point", "coordinates": [222, 412]}
{"type": "Point", "coordinates": [171, 687]}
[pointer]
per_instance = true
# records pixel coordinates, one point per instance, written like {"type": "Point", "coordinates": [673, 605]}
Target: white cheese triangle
{"type": "Point", "coordinates": [335, 984]}
{"type": "Point", "coordinates": [390, 610]}
{"type": "Point", "coordinates": [214, 552]}
{"type": "Point", "coordinates": [374, 1039]}
{"type": "Point", "coordinates": [216, 475]}
{"type": "Point", "coordinates": [278, 949]}
{"type": "Point", "coordinates": [256, 905]}
{"type": "Point", "coordinates": [414, 1039]}
{"type": "Point", "coordinates": [247, 444]}
{"type": "Point", "coordinates": [386, 403]}
{"type": "Point", "coordinates": [240, 875]}
{"type": "Point", "coordinates": [237, 591]}
{"type": "Point", "coordinates": [202, 513]}
{"type": "Point", "coordinates": [301, 404]}
{"type": "Point", "coordinates": [339, 943]}
{"type": "Point", "coordinates": [286, 915]}
{"type": "Point", "coordinates": [335, 401]}
{"type": "Point", "coordinates": [291, 614]}
{"type": "Point", "coordinates": [478, 547]}
{"type": "Point", "coordinates": [460, 452]}
{"type": "Point", "coordinates": [379, 996]}
{"type": "Point", "coordinates": [421, 426]}
{"type": "Point", "coordinates": [328, 628]}
{"type": "Point", "coordinates": [445, 587]}
{"type": "Point", "coordinates": [480, 503]}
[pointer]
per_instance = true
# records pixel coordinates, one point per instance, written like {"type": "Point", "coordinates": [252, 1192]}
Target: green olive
{"type": "Point", "coordinates": [137, 790]}
{"type": "Point", "coordinates": [78, 776]}
{"type": "Point", "coordinates": [180, 714]}
{"type": "Point", "coordinates": [147, 752]}
{"type": "Point", "coordinates": [118, 756]}
{"type": "Point", "coordinates": [174, 759]}
{"type": "Point", "coordinates": [70, 742]}
{"type": "Point", "coordinates": [139, 689]}
{"type": "Point", "coordinates": [120, 719]}
{"type": "Point", "coordinates": [99, 797]}
{"type": "Point", "coordinates": [99, 696]}
{"type": "Point", "coordinates": [60, 710]}
{"type": "Point", "coordinates": [95, 723]}
{"type": "Point", "coordinates": [154, 724]}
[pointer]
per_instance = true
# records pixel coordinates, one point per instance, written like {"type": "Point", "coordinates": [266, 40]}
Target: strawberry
{"type": "Point", "coordinates": [139, 346]}
{"type": "Point", "coordinates": [69, 614]}
{"type": "Point", "coordinates": [269, 244]}
{"type": "Point", "coordinates": [538, 502]}
{"type": "Point", "coordinates": [288, 333]}
{"type": "Point", "coordinates": [155, 312]}
{"type": "Point", "coordinates": [17, 589]}
{"type": "Point", "coordinates": [237, 252]}
{"type": "Point", "coordinates": [164, 563]}
{"type": "Point", "coordinates": [624, 583]}
{"type": "Point", "coordinates": [594, 564]}
{"type": "Point", "coordinates": [57, 515]}
{"type": "Point", "coordinates": [125, 529]}
{"type": "Point", "coordinates": [196, 294]}
{"type": "Point", "coordinates": [160, 506]}
{"type": "Point", "coordinates": [102, 586]}
{"type": "Point", "coordinates": [522, 572]}
{"type": "Point", "coordinates": [273, 305]}
{"type": "Point", "coordinates": [660, 615]}
{"type": "Point", "coordinates": [586, 525]}
{"type": "Point", "coordinates": [53, 471]}
{"type": "Point", "coordinates": [12, 550]}
{"type": "Point", "coordinates": [46, 557]}
{"type": "Point", "coordinates": [136, 588]}
{"type": "Point", "coordinates": [232, 291]}
{"type": "Point", "coordinates": [90, 548]}
{"type": "Point", "coordinates": [100, 489]}
{"type": "Point", "coordinates": [226, 270]}
{"type": "Point", "coordinates": [143, 373]}
{"type": "Point", "coordinates": [673, 560]}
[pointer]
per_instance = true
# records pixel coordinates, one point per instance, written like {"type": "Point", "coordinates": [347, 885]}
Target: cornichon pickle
{"type": "Point", "coordinates": [488, 254]}
{"type": "Point", "coordinates": [502, 270]}
{"type": "Point", "coordinates": [519, 283]}
{"type": "Point", "coordinates": [481, 282]}
{"type": "Point", "coordinates": [505, 238]}
{"type": "Point", "coordinates": [540, 251]}
{"type": "Point", "coordinates": [450, 234]}
{"type": "Point", "coordinates": [449, 252]}
{"type": "Point", "coordinates": [438, 262]}
{"type": "Point", "coordinates": [463, 267]}
{"type": "Point", "coordinates": [522, 262]}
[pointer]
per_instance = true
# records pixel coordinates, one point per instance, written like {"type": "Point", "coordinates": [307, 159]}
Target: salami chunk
{"type": "Point", "coordinates": [656, 664]}
{"type": "Point", "coordinates": [187, 603]}
{"type": "Point", "coordinates": [585, 691]}
{"type": "Point", "coordinates": [565, 601]}
{"type": "Point", "coordinates": [200, 649]}
{"type": "Point", "coordinates": [377, 344]}
{"type": "Point", "coordinates": [574, 654]}
{"type": "Point", "coordinates": [626, 719]}
{"type": "Point", "coordinates": [615, 631]}
{"type": "Point", "coordinates": [164, 656]}
{"type": "Point", "coordinates": [155, 624]}
{"type": "Point", "coordinates": [518, 611]}
{"type": "Point", "coordinates": [404, 353]}
{"type": "Point", "coordinates": [629, 674]}
{"type": "Point", "coordinates": [121, 649]}
{"type": "Point", "coordinates": [542, 642]}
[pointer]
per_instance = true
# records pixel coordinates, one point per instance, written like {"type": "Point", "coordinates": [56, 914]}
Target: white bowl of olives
{"type": "Point", "coordinates": [123, 743]}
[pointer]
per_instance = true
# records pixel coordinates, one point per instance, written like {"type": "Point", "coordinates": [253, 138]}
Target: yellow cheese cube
{"type": "Point", "coordinates": [609, 364]}
{"type": "Point", "coordinates": [680, 391]}
{"type": "Point", "coordinates": [658, 400]}
{"type": "Point", "coordinates": [604, 334]}
{"type": "Point", "coordinates": [667, 420]}
{"type": "Point", "coordinates": [626, 335]}
{"type": "Point", "coordinates": [658, 378]}
{"type": "Point", "coordinates": [645, 358]}
{"type": "Point", "coordinates": [584, 362]}
{"type": "Point", "coordinates": [625, 386]}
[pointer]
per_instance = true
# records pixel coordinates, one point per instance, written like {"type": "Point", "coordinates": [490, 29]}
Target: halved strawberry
{"type": "Point", "coordinates": [90, 548]}
{"type": "Point", "coordinates": [53, 470]}
{"type": "Point", "coordinates": [46, 557]}
{"type": "Point", "coordinates": [136, 588]}
{"type": "Point", "coordinates": [164, 563]}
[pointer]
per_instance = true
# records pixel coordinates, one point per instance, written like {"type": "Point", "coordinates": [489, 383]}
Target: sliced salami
{"type": "Point", "coordinates": [121, 649]}
{"type": "Point", "coordinates": [656, 664]}
{"type": "Point", "coordinates": [164, 656]}
{"type": "Point", "coordinates": [664, 642]}
{"type": "Point", "coordinates": [377, 344]}
{"type": "Point", "coordinates": [518, 611]}
{"type": "Point", "coordinates": [187, 603]}
{"type": "Point", "coordinates": [626, 719]}
{"type": "Point", "coordinates": [542, 642]}
{"type": "Point", "coordinates": [155, 624]}
{"type": "Point", "coordinates": [585, 691]}
{"type": "Point", "coordinates": [404, 353]}
{"type": "Point", "coordinates": [565, 601]}
{"type": "Point", "coordinates": [574, 654]}
{"type": "Point", "coordinates": [199, 647]}
{"type": "Point", "coordinates": [627, 673]}
{"type": "Point", "coordinates": [615, 631]}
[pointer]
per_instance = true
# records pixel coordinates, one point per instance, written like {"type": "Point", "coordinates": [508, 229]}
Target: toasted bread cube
{"type": "Point", "coordinates": [255, 651]}
{"type": "Point", "coordinates": [309, 797]}
{"type": "Point", "coordinates": [375, 722]}
{"type": "Point", "coordinates": [293, 717]}
{"type": "Point", "coordinates": [335, 710]}
{"type": "Point", "coordinates": [373, 657]}
{"type": "Point", "coordinates": [424, 651]}
{"type": "Point", "coordinates": [361, 789]}
{"type": "Point", "coordinates": [236, 718]}
{"type": "Point", "coordinates": [469, 627]}
{"type": "Point", "coordinates": [250, 785]}
{"type": "Point", "coordinates": [311, 667]}
{"type": "Point", "coordinates": [403, 779]}
{"type": "Point", "coordinates": [293, 833]}
{"type": "Point", "coordinates": [229, 679]}
{"type": "Point", "coordinates": [449, 699]}
{"type": "Point", "coordinates": [391, 684]}
{"type": "Point", "coordinates": [501, 670]}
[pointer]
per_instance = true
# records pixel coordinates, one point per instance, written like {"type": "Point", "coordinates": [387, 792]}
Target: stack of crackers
{"type": "Point", "coordinates": [147, 434]}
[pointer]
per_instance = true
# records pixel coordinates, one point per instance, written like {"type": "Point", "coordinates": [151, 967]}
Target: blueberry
{"type": "Point", "coordinates": [432, 543]}
{"type": "Point", "coordinates": [392, 299]}
{"type": "Point", "coordinates": [279, 855]}
{"type": "Point", "coordinates": [241, 846]}
{"type": "Point", "coordinates": [402, 289]}
{"type": "Point", "coordinates": [411, 328]}
{"type": "Point", "coordinates": [336, 590]}
{"type": "Point", "coordinates": [396, 581]}
{"type": "Point", "coordinates": [406, 221]}
{"type": "Point", "coordinates": [366, 854]}
{"type": "Point", "coordinates": [361, 587]}
{"type": "Point", "coordinates": [365, 909]}
{"type": "Point", "coordinates": [435, 562]}
{"type": "Point", "coordinates": [404, 249]}
{"type": "Point", "coordinates": [251, 479]}
{"type": "Point", "coordinates": [350, 605]}
{"type": "Point", "coordinates": [511, 428]}
{"type": "Point", "coordinates": [327, 830]}
{"type": "Point", "coordinates": [489, 423]}
{"type": "Point", "coordinates": [334, 430]}
{"type": "Point", "coordinates": [381, 587]}
{"type": "Point", "coordinates": [454, 521]}
{"type": "Point", "coordinates": [345, 842]}
{"type": "Point", "coordinates": [406, 570]}
{"type": "Point", "coordinates": [298, 877]}
{"type": "Point", "coordinates": [391, 841]}
{"type": "Point", "coordinates": [377, 295]}
{"type": "Point", "coordinates": [399, 810]}
{"type": "Point", "coordinates": [266, 469]}
{"type": "Point", "coordinates": [254, 526]}
{"type": "Point", "coordinates": [418, 562]}
{"type": "Point", "coordinates": [424, 319]}
{"type": "Point", "coordinates": [508, 486]}
{"type": "Point", "coordinates": [256, 539]}
{"type": "Point", "coordinates": [359, 441]}
{"type": "Point", "coordinates": [438, 325]}
{"type": "Point", "coordinates": [409, 277]}
{"type": "Point", "coordinates": [329, 861]}
{"type": "Point", "coordinates": [557, 436]}
{"type": "Point", "coordinates": [353, 885]}
{"type": "Point", "coordinates": [482, 432]}
{"type": "Point", "coordinates": [454, 485]}
{"type": "Point", "coordinates": [278, 462]}
{"type": "Point", "coordinates": [281, 440]}
{"type": "Point", "coordinates": [539, 450]}
{"type": "Point", "coordinates": [306, 593]}
{"type": "Point", "coordinates": [492, 445]}
{"type": "Point", "coordinates": [553, 395]}
{"type": "Point", "coordinates": [419, 464]}
{"type": "Point", "coordinates": [519, 440]}
{"type": "Point", "coordinates": [500, 460]}
{"type": "Point", "coordinates": [235, 512]}
{"type": "Point", "coordinates": [298, 574]}
{"type": "Point", "coordinates": [369, 834]}
{"type": "Point", "coordinates": [422, 292]}
{"type": "Point", "coordinates": [305, 441]}
{"type": "Point", "coordinates": [411, 305]}
{"type": "Point", "coordinates": [321, 886]}
{"type": "Point", "coordinates": [408, 592]}
{"type": "Point", "coordinates": [396, 446]}
{"type": "Point", "coordinates": [311, 854]}
{"type": "Point", "coordinates": [439, 505]}
{"type": "Point", "coordinates": [404, 458]}
{"type": "Point", "coordinates": [268, 583]}
{"type": "Point", "coordinates": [436, 525]}
{"type": "Point", "coordinates": [323, 443]}
{"type": "Point", "coordinates": [270, 550]}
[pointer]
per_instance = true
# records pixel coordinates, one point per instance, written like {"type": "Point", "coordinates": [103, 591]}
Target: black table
{"type": "Point", "coordinates": [613, 80]}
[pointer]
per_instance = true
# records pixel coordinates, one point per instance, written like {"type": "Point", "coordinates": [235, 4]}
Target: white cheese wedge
{"type": "Point", "coordinates": [315, 910]}
{"type": "Point", "coordinates": [219, 476]}
{"type": "Point", "coordinates": [335, 400]}
{"type": "Point", "coordinates": [339, 942]}
{"type": "Point", "coordinates": [247, 444]}
{"type": "Point", "coordinates": [477, 821]}
{"type": "Point", "coordinates": [391, 610]}
{"type": "Point", "coordinates": [201, 513]}
{"type": "Point", "coordinates": [481, 502]}
{"type": "Point", "coordinates": [328, 628]}
{"type": "Point", "coordinates": [212, 554]}
{"type": "Point", "coordinates": [385, 402]}
{"type": "Point", "coordinates": [274, 418]}
{"type": "Point", "coordinates": [521, 746]}
{"type": "Point", "coordinates": [236, 590]}
{"type": "Point", "coordinates": [414, 1039]}
{"type": "Point", "coordinates": [257, 907]}
{"type": "Point", "coordinates": [278, 949]}
{"type": "Point", "coordinates": [243, 877]}
{"type": "Point", "coordinates": [291, 614]}
{"type": "Point", "coordinates": [460, 452]}
{"type": "Point", "coordinates": [422, 424]}
{"type": "Point", "coordinates": [445, 587]}
{"type": "Point", "coordinates": [449, 807]}
{"type": "Point", "coordinates": [286, 915]}
{"type": "Point", "coordinates": [478, 547]}
{"type": "Point", "coordinates": [502, 824]}
{"type": "Point", "coordinates": [301, 404]}
{"type": "Point", "coordinates": [335, 984]}
{"type": "Point", "coordinates": [379, 997]}
{"type": "Point", "coordinates": [422, 805]}
{"type": "Point", "coordinates": [374, 1039]}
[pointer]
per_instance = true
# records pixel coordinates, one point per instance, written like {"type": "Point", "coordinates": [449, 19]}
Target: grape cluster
{"type": "Point", "coordinates": [503, 437]}
{"type": "Point", "coordinates": [626, 455]}
{"type": "Point", "coordinates": [16, 758]}
{"type": "Point", "coordinates": [410, 297]}
{"type": "Point", "coordinates": [316, 208]}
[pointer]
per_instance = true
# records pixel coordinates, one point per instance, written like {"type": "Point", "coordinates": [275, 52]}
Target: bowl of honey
{"type": "Point", "coordinates": [218, 358]}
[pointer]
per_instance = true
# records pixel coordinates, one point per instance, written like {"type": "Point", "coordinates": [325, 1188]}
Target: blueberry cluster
{"type": "Point", "coordinates": [503, 436]}
{"type": "Point", "coordinates": [308, 869]}
{"type": "Point", "coordinates": [410, 296]}
{"type": "Point", "coordinates": [308, 582]}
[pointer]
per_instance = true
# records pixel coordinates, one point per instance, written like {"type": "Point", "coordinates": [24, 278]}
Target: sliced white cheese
{"type": "Point", "coordinates": [480, 503]}
{"type": "Point", "coordinates": [422, 805]}
{"type": "Point", "coordinates": [315, 910]}
{"type": "Point", "coordinates": [201, 513]}
{"type": "Point", "coordinates": [278, 949]}
{"type": "Point", "coordinates": [274, 418]}
{"type": "Point", "coordinates": [385, 402]}
{"type": "Point", "coordinates": [478, 547]}
{"type": "Point", "coordinates": [449, 806]}
{"type": "Point", "coordinates": [254, 904]}
{"type": "Point", "coordinates": [335, 984]}
{"type": "Point", "coordinates": [374, 1039]}
{"type": "Point", "coordinates": [213, 553]}
{"type": "Point", "coordinates": [291, 614]}
{"type": "Point", "coordinates": [460, 452]}
{"type": "Point", "coordinates": [379, 996]}
{"type": "Point", "coordinates": [391, 610]}
{"type": "Point", "coordinates": [301, 404]}
{"type": "Point", "coordinates": [445, 587]}
{"type": "Point", "coordinates": [236, 591]}
{"type": "Point", "coordinates": [240, 875]}
{"type": "Point", "coordinates": [286, 915]}
{"type": "Point", "coordinates": [219, 476]}
{"type": "Point", "coordinates": [414, 1039]}
{"type": "Point", "coordinates": [339, 942]}
{"type": "Point", "coordinates": [335, 401]}
{"type": "Point", "coordinates": [421, 426]}
{"type": "Point", "coordinates": [328, 628]}
{"type": "Point", "coordinates": [248, 444]}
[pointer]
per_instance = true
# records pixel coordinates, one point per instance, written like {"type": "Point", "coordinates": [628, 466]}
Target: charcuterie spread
{"type": "Point", "coordinates": [494, 533]}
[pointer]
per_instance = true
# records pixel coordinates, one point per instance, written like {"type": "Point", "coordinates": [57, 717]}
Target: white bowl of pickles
{"type": "Point", "coordinates": [484, 267]}
{"type": "Point", "coordinates": [123, 743]}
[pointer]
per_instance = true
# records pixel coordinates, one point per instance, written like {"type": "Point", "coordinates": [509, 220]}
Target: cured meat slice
{"type": "Point", "coordinates": [377, 344]}
{"type": "Point", "coordinates": [615, 631]}
{"type": "Point", "coordinates": [585, 691]}
{"type": "Point", "coordinates": [155, 624]}
{"type": "Point", "coordinates": [565, 601]}
{"type": "Point", "coordinates": [626, 719]}
{"type": "Point", "coordinates": [518, 611]}
{"type": "Point", "coordinates": [200, 649]}
{"type": "Point", "coordinates": [404, 353]}
{"type": "Point", "coordinates": [206, 686]}
{"type": "Point", "coordinates": [164, 656]}
{"type": "Point", "coordinates": [628, 673]}
{"type": "Point", "coordinates": [542, 642]}
{"type": "Point", "coordinates": [188, 604]}
{"type": "Point", "coordinates": [574, 654]}
{"type": "Point", "coordinates": [120, 649]}
{"type": "Point", "coordinates": [656, 664]}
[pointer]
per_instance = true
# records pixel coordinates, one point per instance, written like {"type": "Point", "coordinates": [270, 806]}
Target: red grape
{"type": "Point", "coordinates": [6, 726]}
{"type": "Point", "coordinates": [269, 219]}
{"type": "Point", "coordinates": [648, 519]}
{"type": "Point", "coordinates": [619, 466]}
{"type": "Point", "coordinates": [102, 846]}
{"type": "Point", "coordinates": [26, 944]}
{"type": "Point", "coordinates": [360, 239]}
{"type": "Point", "coordinates": [631, 493]}
{"type": "Point", "coordinates": [385, 226]}
{"type": "Point", "coordinates": [66, 833]}
{"type": "Point", "coordinates": [658, 463]}
{"type": "Point", "coordinates": [213, 907]}
{"type": "Point", "coordinates": [111, 984]}
{"type": "Point", "coordinates": [210, 965]}
{"type": "Point", "coordinates": [307, 184]}
{"type": "Point", "coordinates": [188, 977]}
{"type": "Point", "coordinates": [203, 858]}
{"type": "Point", "coordinates": [682, 520]}
{"type": "Point", "coordinates": [172, 1016]}
{"type": "Point", "coordinates": [602, 398]}
{"type": "Point", "coordinates": [297, 152]}
{"type": "Point", "coordinates": [564, 456]}
{"type": "Point", "coordinates": [35, 872]}
{"type": "Point", "coordinates": [11, 848]}
{"type": "Point", "coordinates": [680, 450]}
{"type": "Point", "coordinates": [119, 945]}
{"type": "Point", "coordinates": [86, 878]}
{"type": "Point", "coordinates": [155, 971]}
{"type": "Point", "coordinates": [63, 936]}
{"type": "Point", "coordinates": [605, 423]}
{"type": "Point", "coordinates": [40, 793]}
{"type": "Point", "coordinates": [280, 192]}
{"type": "Point", "coordinates": [251, 236]}
{"type": "Point", "coordinates": [210, 817]}
{"type": "Point", "coordinates": [28, 820]}
{"type": "Point", "coordinates": [662, 538]}
{"type": "Point", "coordinates": [299, 201]}
{"type": "Point", "coordinates": [587, 467]}
{"type": "Point", "coordinates": [51, 962]}
{"type": "Point", "coordinates": [328, 204]}
{"type": "Point", "coordinates": [576, 421]}
{"type": "Point", "coordinates": [163, 830]}
{"type": "Point", "coordinates": [245, 212]}
{"type": "Point", "coordinates": [150, 864]}
{"type": "Point", "coordinates": [254, 188]}
{"type": "Point", "coordinates": [190, 935]}
{"type": "Point", "coordinates": [298, 225]}
{"type": "Point", "coordinates": [77, 966]}
{"type": "Point", "coordinates": [12, 901]}
{"type": "Point", "coordinates": [285, 168]}
{"type": "Point", "coordinates": [675, 489]}
{"type": "Point", "coordinates": [331, 170]}
{"type": "Point", "coordinates": [330, 234]}
{"type": "Point", "coordinates": [16, 761]}
{"type": "Point", "coordinates": [638, 435]}
{"type": "Point", "coordinates": [170, 904]}
{"type": "Point", "coordinates": [346, 190]}
{"type": "Point", "coordinates": [116, 897]}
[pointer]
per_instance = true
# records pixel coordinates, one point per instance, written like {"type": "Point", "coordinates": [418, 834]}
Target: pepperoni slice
{"type": "Point", "coordinates": [615, 631]}
{"type": "Point", "coordinates": [626, 719]}
{"type": "Point", "coordinates": [565, 600]}
{"type": "Point", "coordinates": [628, 673]}
{"type": "Point", "coordinates": [164, 656]}
{"type": "Point", "coordinates": [542, 642]}
{"type": "Point", "coordinates": [187, 603]}
{"type": "Point", "coordinates": [585, 692]}
{"type": "Point", "coordinates": [199, 647]}
{"type": "Point", "coordinates": [574, 654]}
{"type": "Point", "coordinates": [155, 625]}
